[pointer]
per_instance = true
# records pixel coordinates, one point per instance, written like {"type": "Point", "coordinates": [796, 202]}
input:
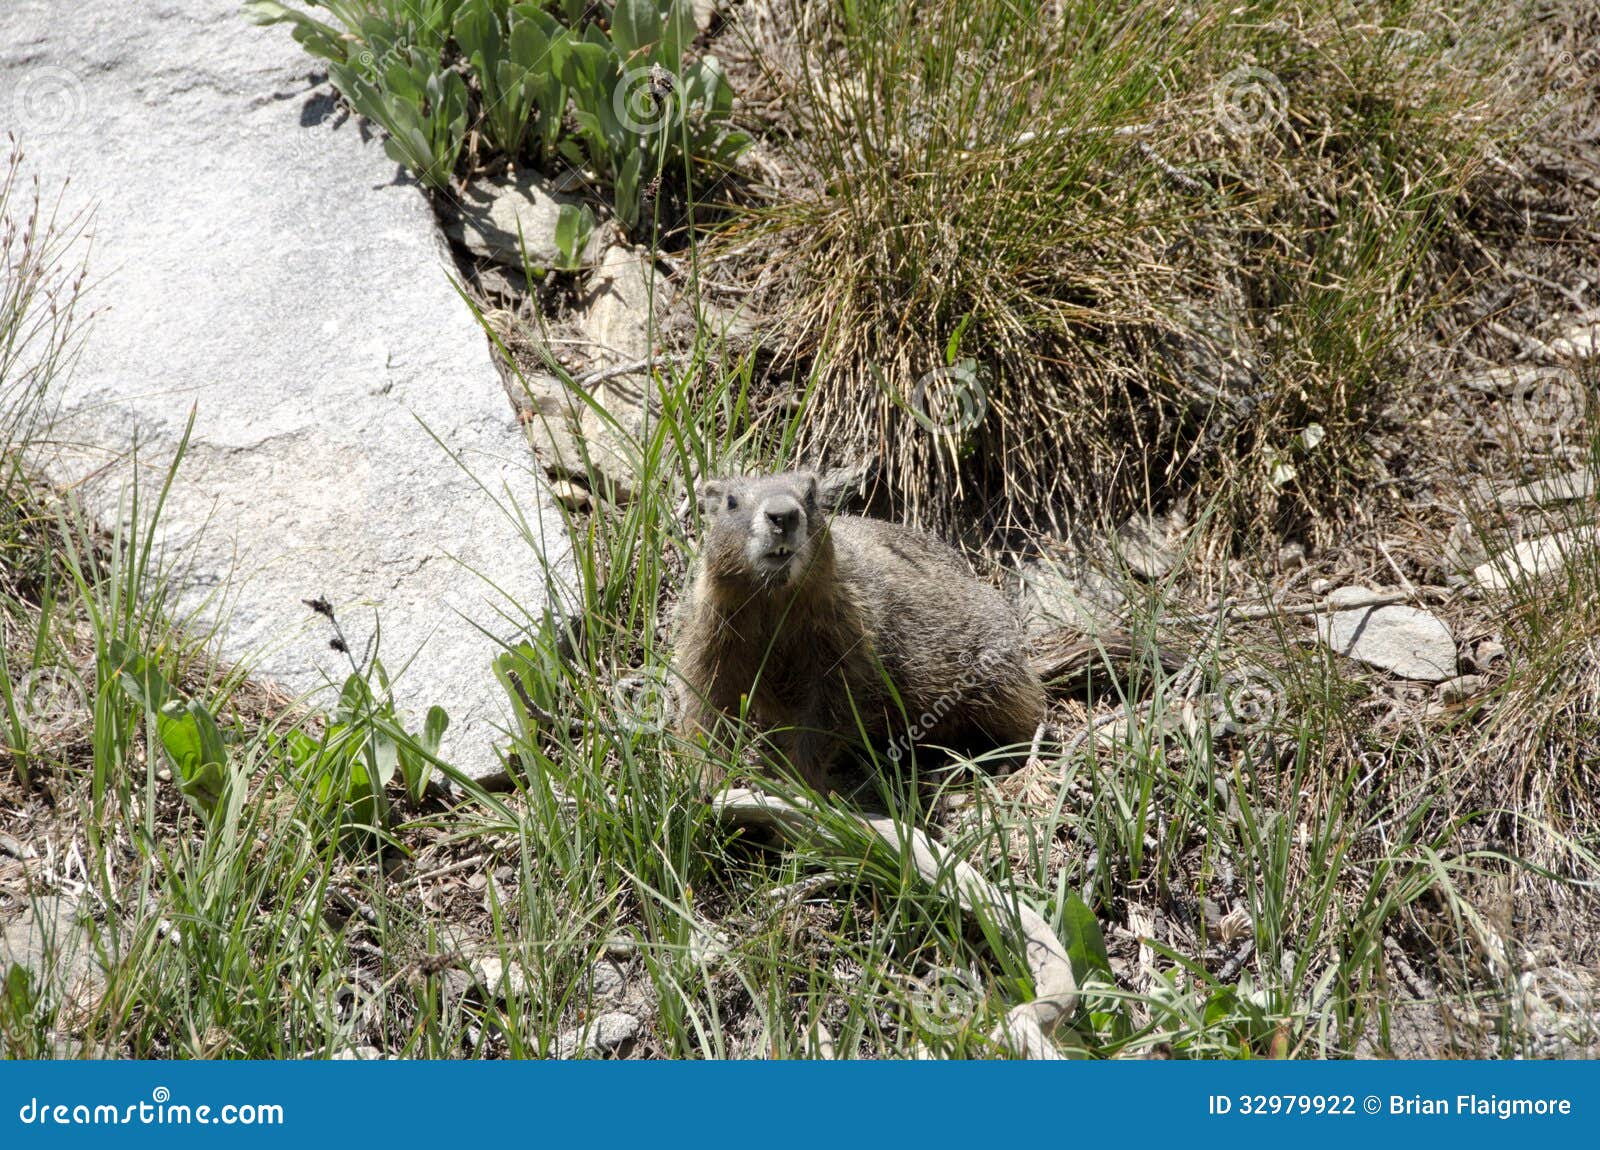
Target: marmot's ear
{"type": "Point", "coordinates": [808, 484]}
{"type": "Point", "coordinates": [711, 492]}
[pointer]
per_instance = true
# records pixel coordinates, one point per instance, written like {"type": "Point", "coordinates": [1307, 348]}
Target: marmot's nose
{"type": "Point", "coordinates": [784, 517]}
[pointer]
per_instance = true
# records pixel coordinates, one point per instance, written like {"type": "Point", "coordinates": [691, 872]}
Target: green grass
{"type": "Point", "coordinates": [1167, 241]}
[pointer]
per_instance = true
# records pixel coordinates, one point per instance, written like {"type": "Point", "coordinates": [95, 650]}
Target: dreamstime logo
{"type": "Point", "coordinates": [50, 700]}
{"type": "Point", "coordinates": [47, 100]}
{"type": "Point", "coordinates": [951, 400]}
{"type": "Point", "coordinates": [1251, 701]}
{"type": "Point", "coordinates": [1249, 100]}
{"type": "Point", "coordinates": [946, 1001]}
{"type": "Point", "coordinates": [976, 669]}
{"type": "Point", "coordinates": [641, 701]}
{"type": "Point", "coordinates": [647, 100]}
{"type": "Point", "coordinates": [1549, 404]}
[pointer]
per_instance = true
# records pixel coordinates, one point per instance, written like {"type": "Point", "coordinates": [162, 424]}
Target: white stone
{"type": "Point", "coordinates": [503, 979]}
{"type": "Point", "coordinates": [509, 218]}
{"type": "Point", "coordinates": [1406, 641]}
{"type": "Point", "coordinates": [618, 329]}
{"type": "Point", "coordinates": [1534, 559]}
{"type": "Point", "coordinates": [256, 261]}
{"type": "Point", "coordinates": [602, 1035]}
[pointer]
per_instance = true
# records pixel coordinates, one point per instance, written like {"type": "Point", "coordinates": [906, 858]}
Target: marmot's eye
{"type": "Point", "coordinates": [732, 503]}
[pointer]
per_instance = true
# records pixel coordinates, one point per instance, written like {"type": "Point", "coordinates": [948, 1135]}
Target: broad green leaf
{"type": "Point", "coordinates": [635, 24]}
{"type": "Point", "coordinates": [140, 678]}
{"type": "Point", "coordinates": [1086, 946]}
{"type": "Point", "coordinates": [194, 745]}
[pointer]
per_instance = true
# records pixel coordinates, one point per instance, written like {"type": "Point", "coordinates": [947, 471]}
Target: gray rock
{"type": "Point", "coordinates": [620, 948]}
{"type": "Point", "coordinates": [502, 979]}
{"type": "Point", "coordinates": [618, 325]}
{"type": "Point", "coordinates": [607, 1033]}
{"type": "Point", "coordinates": [52, 941]}
{"type": "Point", "coordinates": [705, 11]}
{"type": "Point", "coordinates": [1406, 641]}
{"type": "Point", "coordinates": [1463, 550]}
{"type": "Point", "coordinates": [1580, 340]}
{"type": "Point", "coordinates": [360, 1054]}
{"type": "Point", "coordinates": [1152, 545]}
{"type": "Point", "coordinates": [259, 263]}
{"type": "Point", "coordinates": [550, 416]}
{"type": "Point", "coordinates": [498, 219]}
{"type": "Point", "coordinates": [605, 980]}
{"type": "Point", "coordinates": [574, 498]}
{"type": "Point", "coordinates": [1067, 594]}
{"type": "Point", "coordinates": [1534, 559]}
{"type": "Point", "coordinates": [1556, 489]}
{"type": "Point", "coordinates": [1507, 380]}
{"type": "Point", "coordinates": [1459, 689]}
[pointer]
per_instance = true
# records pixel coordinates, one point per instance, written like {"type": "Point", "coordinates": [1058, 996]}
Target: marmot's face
{"type": "Point", "coordinates": [770, 523]}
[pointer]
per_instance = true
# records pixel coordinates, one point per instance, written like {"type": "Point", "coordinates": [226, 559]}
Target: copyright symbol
{"type": "Point", "coordinates": [946, 1001]}
{"type": "Point", "coordinates": [1249, 99]}
{"type": "Point", "coordinates": [951, 399]}
{"type": "Point", "coordinates": [641, 701]}
{"type": "Point", "coordinates": [50, 700]}
{"type": "Point", "coordinates": [1371, 1104]}
{"type": "Point", "coordinates": [647, 100]}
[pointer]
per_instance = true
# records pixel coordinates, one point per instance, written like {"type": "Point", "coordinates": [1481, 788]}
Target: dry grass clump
{"type": "Point", "coordinates": [1047, 256]}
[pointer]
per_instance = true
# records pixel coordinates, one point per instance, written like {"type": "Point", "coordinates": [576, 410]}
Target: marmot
{"type": "Point", "coordinates": [838, 626]}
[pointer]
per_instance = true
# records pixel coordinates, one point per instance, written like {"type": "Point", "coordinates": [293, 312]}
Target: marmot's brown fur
{"type": "Point", "coordinates": [814, 617]}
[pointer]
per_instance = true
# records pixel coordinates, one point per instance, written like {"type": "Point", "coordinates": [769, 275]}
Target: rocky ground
{"type": "Point", "coordinates": [351, 438]}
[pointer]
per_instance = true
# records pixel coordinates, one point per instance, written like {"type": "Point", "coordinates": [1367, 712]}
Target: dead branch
{"type": "Point", "coordinates": [1027, 1027]}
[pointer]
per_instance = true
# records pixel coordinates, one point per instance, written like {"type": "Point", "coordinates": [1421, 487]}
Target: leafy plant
{"type": "Point", "coordinates": [510, 48]}
{"type": "Point", "coordinates": [642, 111]}
{"type": "Point", "coordinates": [361, 750]}
{"type": "Point", "coordinates": [574, 225]}
{"type": "Point", "coordinates": [22, 1014]}
{"type": "Point", "coordinates": [421, 105]}
{"type": "Point", "coordinates": [188, 732]}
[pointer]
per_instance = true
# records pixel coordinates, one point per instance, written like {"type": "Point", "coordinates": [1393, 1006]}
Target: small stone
{"type": "Point", "coordinates": [608, 1033]}
{"type": "Point", "coordinates": [359, 1054]}
{"type": "Point", "coordinates": [51, 941]}
{"type": "Point", "coordinates": [704, 11]}
{"type": "Point", "coordinates": [1459, 689]}
{"type": "Point", "coordinates": [1152, 544]}
{"type": "Point", "coordinates": [496, 219]}
{"type": "Point", "coordinates": [618, 321]}
{"type": "Point", "coordinates": [1504, 380]}
{"type": "Point", "coordinates": [612, 1030]}
{"type": "Point", "coordinates": [620, 948]}
{"type": "Point", "coordinates": [1463, 550]}
{"type": "Point", "coordinates": [1320, 587]}
{"type": "Point", "coordinates": [549, 414]}
{"type": "Point", "coordinates": [1534, 559]}
{"type": "Point", "coordinates": [575, 499]}
{"type": "Point", "coordinates": [1557, 489]}
{"type": "Point", "coordinates": [707, 948]}
{"type": "Point", "coordinates": [1580, 340]}
{"type": "Point", "coordinates": [1406, 641]}
{"type": "Point", "coordinates": [1067, 593]}
{"type": "Point", "coordinates": [605, 980]}
{"type": "Point", "coordinates": [504, 980]}
{"type": "Point", "coordinates": [1487, 653]}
